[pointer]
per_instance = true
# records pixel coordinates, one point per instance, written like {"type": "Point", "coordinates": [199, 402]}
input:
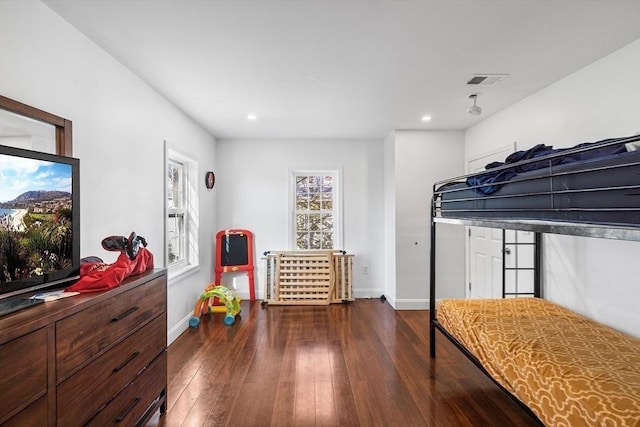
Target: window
{"type": "Point", "coordinates": [176, 203]}
{"type": "Point", "coordinates": [34, 129]}
{"type": "Point", "coordinates": [316, 223]}
{"type": "Point", "coordinates": [182, 202]}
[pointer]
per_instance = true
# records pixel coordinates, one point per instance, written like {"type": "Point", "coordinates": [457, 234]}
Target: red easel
{"type": "Point", "coordinates": [234, 252]}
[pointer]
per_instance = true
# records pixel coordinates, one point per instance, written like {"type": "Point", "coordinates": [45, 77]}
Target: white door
{"type": "Point", "coordinates": [485, 263]}
{"type": "Point", "coordinates": [484, 245]}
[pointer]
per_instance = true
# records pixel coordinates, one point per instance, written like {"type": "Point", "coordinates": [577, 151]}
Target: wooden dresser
{"type": "Point", "coordinates": [92, 359]}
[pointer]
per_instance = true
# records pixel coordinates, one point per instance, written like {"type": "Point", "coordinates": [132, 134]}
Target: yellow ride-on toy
{"type": "Point", "coordinates": [207, 304]}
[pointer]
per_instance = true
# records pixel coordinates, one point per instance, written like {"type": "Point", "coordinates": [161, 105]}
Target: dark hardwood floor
{"type": "Point", "coordinates": [357, 364]}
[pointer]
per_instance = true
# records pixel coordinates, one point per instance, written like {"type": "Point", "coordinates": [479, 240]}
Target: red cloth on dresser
{"type": "Point", "coordinates": [98, 276]}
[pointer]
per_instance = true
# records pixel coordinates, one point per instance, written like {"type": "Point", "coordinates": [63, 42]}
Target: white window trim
{"type": "Point", "coordinates": [180, 270]}
{"type": "Point", "coordinates": [337, 174]}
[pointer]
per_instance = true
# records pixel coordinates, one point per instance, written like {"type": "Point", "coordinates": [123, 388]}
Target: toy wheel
{"type": "Point", "coordinates": [228, 320]}
{"type": "Point", "coordinates": [194, 322]}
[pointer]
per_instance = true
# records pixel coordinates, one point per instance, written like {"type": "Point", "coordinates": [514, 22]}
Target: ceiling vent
{"type": "Point", "coordinates": [486, 79]}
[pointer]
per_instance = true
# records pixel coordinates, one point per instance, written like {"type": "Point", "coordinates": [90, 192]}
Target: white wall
{"type": "Point", "coordinates": [595, 277]}
{"type": "Point", "coordinates": [252, 184]}
{"type": "Point", "coordinates": [119, 125]}
{"type": "Point", "coordinates": [422, 158]}
{"type": "Point", "coordinates": [387, 187]}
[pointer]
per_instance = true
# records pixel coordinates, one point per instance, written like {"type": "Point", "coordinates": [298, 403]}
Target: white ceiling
{"type": "Point", "coordinates": [348, 69]}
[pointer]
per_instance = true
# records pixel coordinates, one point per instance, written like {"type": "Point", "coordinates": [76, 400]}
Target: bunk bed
{"type": "Point", "coordinates": [563, 368]}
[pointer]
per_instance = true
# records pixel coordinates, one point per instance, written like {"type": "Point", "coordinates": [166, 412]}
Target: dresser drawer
{"type": "Point", "coordinates": [35, 415]}
{"type": "Point", "coordinates": [89, 333]}
{"type": "Point", "coordinates": [23, 371]}
{"type": "Point", "coordinates": [132, 403]}
{"type": "Point", "coordinates": [108, 374]}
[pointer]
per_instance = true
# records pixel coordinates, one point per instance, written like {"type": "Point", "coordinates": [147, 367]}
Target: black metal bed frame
{"type": "Point", "coordinates": [476, 362]}
{"type": "Point", "coordinates": [608, 230]}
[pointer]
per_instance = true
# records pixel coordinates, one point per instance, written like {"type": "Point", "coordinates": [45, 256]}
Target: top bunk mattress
{"type": "Point", "coordinates": [570, 370]}
{"type": "Point", "coordinates": [602, 190]}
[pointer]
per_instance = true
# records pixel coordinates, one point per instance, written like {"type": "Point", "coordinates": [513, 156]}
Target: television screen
{"type": "Point", "coordinates": [39, 220]}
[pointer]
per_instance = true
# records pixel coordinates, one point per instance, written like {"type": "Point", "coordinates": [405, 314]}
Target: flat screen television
{"type": "Point", "coordinates": [39, 221]}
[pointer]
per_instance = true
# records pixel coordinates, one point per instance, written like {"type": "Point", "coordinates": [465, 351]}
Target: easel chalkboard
{"type": "Point", "coordinates": [234, 252]}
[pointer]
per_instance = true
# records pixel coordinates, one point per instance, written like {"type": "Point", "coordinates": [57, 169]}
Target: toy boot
{"type": "Point", "coordinates": [114, 243]}
{"type": "Point", "coordinates": [130, 245]}
{"type": "Point", "coordinates": [133, 245]}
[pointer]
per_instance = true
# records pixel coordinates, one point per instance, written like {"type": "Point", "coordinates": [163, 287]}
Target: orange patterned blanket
{"type": "Point", "coordinates": [571, 371]}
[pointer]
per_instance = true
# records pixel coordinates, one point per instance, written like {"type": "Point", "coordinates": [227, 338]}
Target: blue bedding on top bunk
{"type": "Point", "coordinates": [489, 182]}
{"type": "Point", "coordinates": [601, 188]}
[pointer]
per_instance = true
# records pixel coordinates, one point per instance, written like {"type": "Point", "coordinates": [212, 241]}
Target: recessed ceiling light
{"type": "Point", "coordinates": [426, 118]}
{"type": "Point", "coordinates": [252, 117]}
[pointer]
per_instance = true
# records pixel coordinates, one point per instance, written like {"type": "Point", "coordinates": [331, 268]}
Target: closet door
{"type": "Point", "coordinates": [484, 245]}
{"type": "Point", "coordinates": [485, 263]}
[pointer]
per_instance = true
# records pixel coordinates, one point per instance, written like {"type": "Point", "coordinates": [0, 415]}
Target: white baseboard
{"type": "Point", "coordinates": [411, 304]}
{"type": "Point", "coordinates": [368, 293]}
{"type": "Point", "coordinates": [397, 304]}
{"type": "Point", "coordinates": [178, 329]}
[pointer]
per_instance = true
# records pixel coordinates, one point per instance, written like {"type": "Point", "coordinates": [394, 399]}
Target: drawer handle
{"type": "Point", "coordinates": [126, 411]}
{"type": "Point", "coordinates": [125, 314]}
{"type": "Point", "coordinates": [126, 362]}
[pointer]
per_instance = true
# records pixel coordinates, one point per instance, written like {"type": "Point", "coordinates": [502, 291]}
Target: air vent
{"type": "Point", "coordinates": [485, 79]}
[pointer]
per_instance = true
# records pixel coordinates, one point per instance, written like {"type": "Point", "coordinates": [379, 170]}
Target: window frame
{"type": "Point", "coordinates": [178, 212]}
{"type": "Point", "coordinates": [336, 212]}
{"type": "Point", "coordinates": [189, 211]}
{"type": "Point", "coordinates": [63, 127]}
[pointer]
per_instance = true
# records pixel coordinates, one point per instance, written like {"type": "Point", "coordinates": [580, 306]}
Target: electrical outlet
{"type": "Point", "coordinates": [365, 269]}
